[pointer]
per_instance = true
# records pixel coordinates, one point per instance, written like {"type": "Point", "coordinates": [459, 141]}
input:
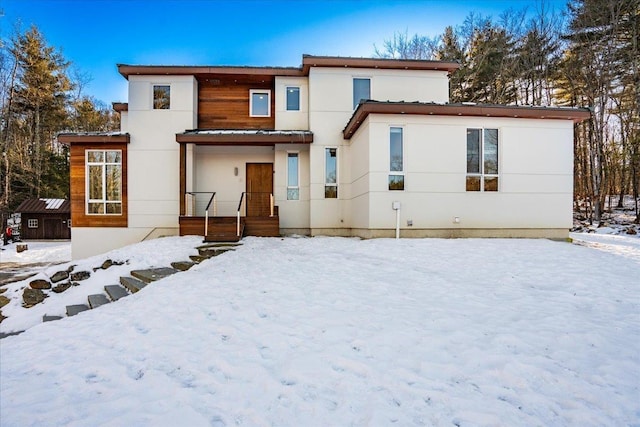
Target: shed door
{"type": "Point", "coordinates": [53, 228]}
{"type": "Point", "coordinates": [259, 188]}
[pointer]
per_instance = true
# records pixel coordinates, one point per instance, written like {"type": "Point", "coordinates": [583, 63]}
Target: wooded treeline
{"type": "Point", "coordinates": [584, 56]}
{"type": "Point", "coordinates": [41, 95]}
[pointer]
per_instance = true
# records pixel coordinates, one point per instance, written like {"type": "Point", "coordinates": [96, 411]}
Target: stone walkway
{"type": "Point", "coordinates": [137, 280]}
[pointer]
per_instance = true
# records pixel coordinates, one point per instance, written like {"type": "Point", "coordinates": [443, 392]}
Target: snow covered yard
{"type": "Point", "coordinates": [334, 331]}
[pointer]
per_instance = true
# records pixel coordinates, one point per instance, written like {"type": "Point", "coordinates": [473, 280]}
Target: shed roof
{"type": "Point", "coordinates": [44, 206]}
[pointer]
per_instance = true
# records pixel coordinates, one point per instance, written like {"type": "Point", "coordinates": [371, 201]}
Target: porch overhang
{"type": "Point", "coordinates": [577, 115]}
{"type": "Point", "coordinates": [94, 138]}
{"type": "Point", "coordinates": [243, 137]}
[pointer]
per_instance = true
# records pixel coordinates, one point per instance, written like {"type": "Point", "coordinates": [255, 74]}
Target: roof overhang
{"type": "Point", "coordinates": [93, 138]}
{"type": "Point", "coordinates": [120, 106]}
{"type": "Point", "coordinates": [309, 61]}
{"type": "Point", "coordinates": [180, 70]}
{"type": "Point", "coordinates": [466, 110]}
{"type": "Point", "coordinates": [245, 137]}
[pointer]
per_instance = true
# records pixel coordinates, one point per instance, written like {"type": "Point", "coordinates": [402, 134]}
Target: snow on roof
{"type": "Point", "coordinates": [246, 132]}
{"type": "Point", "coordinates": [44, 206]}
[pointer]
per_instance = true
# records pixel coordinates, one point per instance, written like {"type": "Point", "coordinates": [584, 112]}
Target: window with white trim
{"type": "Point", "coordinates": [293, 176]}
{"type": "Point", "coordinates": [482, 160]}
{"type": "Point", "coordinates": [293, 98]}
{"type": "Point", "coordinates": [104, 182]}
{"type": "Point", "coordinates": [361, 90]}
{"type": "Point", "coordinates": [259, 103]}
{"type": "Point", "coordinates": [331, 173]}
{"type": "Point", "coordinates": [396, 159]}
{"type": "Point", "coordinates": [161, 97]}
{"type": "Point", "coordinates": [32, 223]}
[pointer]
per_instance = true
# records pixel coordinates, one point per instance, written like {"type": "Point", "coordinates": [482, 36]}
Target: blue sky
{"type": "Point", "coordinates": [97, 34]}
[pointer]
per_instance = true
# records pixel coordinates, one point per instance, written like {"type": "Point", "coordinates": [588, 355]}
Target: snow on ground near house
{"type": "Point", "coordinates": [39, 251]}
{"type": "Point", "coordinates": [335, 331]}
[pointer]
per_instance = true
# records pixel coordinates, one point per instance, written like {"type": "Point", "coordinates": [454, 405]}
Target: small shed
{"type": "Point", "coordinates": [45, 219]}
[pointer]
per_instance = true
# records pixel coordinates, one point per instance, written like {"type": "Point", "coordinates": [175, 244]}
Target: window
{"type": "Point", "coordinates": [161, 97]}
{"type": "Point", "coordinates": [32, 223]}
{"type": "Point", "coordinates": [396, 159]}
{"type": "Point", "coordinates": [69, 223]}
{"type": "Point", "coordinates": [331, 173]}
{"type": "Point", "coordinates": [259, 103]}
{"type": "Point", "coordinates": [293, 98]}
{"type": "Point", "coordinates": [293, 186]}
{"type": "Point", "coordinates": [361, 90]}
{"type": "Point", "coordinates": [482, 160]}
{"type": "Point", "coordinates": [104, 182]}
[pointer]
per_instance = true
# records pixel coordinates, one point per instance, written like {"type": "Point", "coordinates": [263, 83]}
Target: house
{"type": "Point", "coordinates": [339, 146]}
{"type": "Point", "coordinates": [45, 219]}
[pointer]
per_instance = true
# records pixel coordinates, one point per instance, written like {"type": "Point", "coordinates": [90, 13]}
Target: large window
{"type": "Point", "coordinates": [396, 159]}
{"type": "Point", "coordinates": [161, 97]}
{"type": "Point", "coordinates": [104, 182]}
{"type": "Point", "coordinates": [293, 179]}
{"type": "Point", "coordinates": [482, 160]}
{"type": "Point", "coordinates": [331, 173]}
{"type": "Point", "coordinates": [293, 98]}
{"type": "Point", "coordinates": [259, 103]}
{"type": "Point", "coordinates": [361, 90]}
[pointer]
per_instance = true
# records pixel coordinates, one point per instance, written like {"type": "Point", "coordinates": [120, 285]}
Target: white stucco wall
{"type": "Point", "coordinates": [215, 171]}
{"type": "Point", "coordinates": [535, 181]}
{"type": "Point", "coordinates": [291, 120]}
{"type": "Point", "coordinates": [294, 214]}
{"type": "Point", "coordinates": [330, 107]}
{"type": "Point", "coordinates": [153, 164]}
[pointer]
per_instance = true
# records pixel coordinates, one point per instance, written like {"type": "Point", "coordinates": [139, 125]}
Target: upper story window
{"type": "Point", "coordinates": [482, 160]}
{"type": "Point", "coordinates": [293, 98]}
{"type": "Point", "coordinates": [104, 182]}
{"type": "Point", "coordinates": [396, 159]}
{"type": "Point", "coordinates": [161, 97]}
{"type": "Point", "coordinates": [361, 90]}
{"type": "Point", "coordinates": [259, 103]}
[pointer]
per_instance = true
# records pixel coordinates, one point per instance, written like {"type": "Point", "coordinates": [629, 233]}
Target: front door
{"type": "Point", "coordinates": [259, 188]}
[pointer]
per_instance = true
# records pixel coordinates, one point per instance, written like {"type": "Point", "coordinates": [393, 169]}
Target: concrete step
{"type": "Point", "coordinates": [47, 318]}
{"type": "Point", "coordinates": [72, 310]}
{"type": "Point", "coordinates": [153, 274]}
{"type": "Point", "coordinates": [96, 300]}
{"type": "Point", "coordinates": [197, 258]}
{"type": "Point", "coordinates": [115, 292]}
{"type": "Point", "coordinates": [133, 285]}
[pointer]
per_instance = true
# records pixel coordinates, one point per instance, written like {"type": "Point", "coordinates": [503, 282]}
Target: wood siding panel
{"type": "Point", "coordinates": [223, 102]}
{"type": "Point", "coordinates": [79, 218]}
{"type": "Point", "coordinates": [54, 226]}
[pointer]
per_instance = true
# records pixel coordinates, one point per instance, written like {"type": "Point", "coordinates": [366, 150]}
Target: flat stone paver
{"type": "Point", "coordinates": [96, 300]}
{"type": "Point", "coordinates": [47, 318]}
{"type": "Point", "coordinates": [182, 265]}
{"type": "Point", "coordinates": [115, 292]}
{"type": "Point", "coordinates": [134, 285]}
{"type": "Point", "coordinates": [72, 310]}
{"type": "Point", "coordinates": [153, 274]}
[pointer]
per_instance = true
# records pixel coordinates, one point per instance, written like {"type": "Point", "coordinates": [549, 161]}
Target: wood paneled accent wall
{"type": "Point", "coordinates": [223, 102]}
{"type": "Point", "coordinates": [77, 173]}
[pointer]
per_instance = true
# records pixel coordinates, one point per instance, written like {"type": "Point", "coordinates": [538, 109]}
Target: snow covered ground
{"type": "Point", "coordinates": [38, 252]}
{"type": "Point", "coordinates": [335, 331]}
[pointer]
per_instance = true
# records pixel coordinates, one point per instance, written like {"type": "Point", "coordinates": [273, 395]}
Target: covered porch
{"type": "Point", "coordinates": [227, 182]}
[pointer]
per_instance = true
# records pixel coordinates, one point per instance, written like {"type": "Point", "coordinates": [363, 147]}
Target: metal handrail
{"type": "Point", "coordinates": [212, 199]}
{"type": "Point", "coordinates": [238, 214]}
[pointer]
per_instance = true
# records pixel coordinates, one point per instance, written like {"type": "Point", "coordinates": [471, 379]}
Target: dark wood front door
{"type": "Point", "coordinates": [259, 188]}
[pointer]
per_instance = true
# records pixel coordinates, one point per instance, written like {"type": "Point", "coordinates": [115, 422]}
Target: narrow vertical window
{"type": "Point", "coordinates": [331, 173]}
{"type": "Point", "coordinates": [396, 159]}
{"type": "Point", "coordinates": [293, 98]}
{"type": "Point", "coordinates": [161, 97]}
{"type": "Point", "coordinates": [482, 160]}
{"type": "Point", "coordinates": [259, 103]}
{"type": "Point", "coordinates": [361, 90]}
{"type": "Point", "coordinates": [104, 182]}
{"type": "Point", "coordinates": [293, 186]}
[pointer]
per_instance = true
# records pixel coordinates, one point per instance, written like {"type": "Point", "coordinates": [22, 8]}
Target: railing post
{"type": "Point", "coordinates": [206, 223]}
{"type": "Point", "coordinates": [271, 203]}
{"type": "Point", "coordinates": [238, 225]}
